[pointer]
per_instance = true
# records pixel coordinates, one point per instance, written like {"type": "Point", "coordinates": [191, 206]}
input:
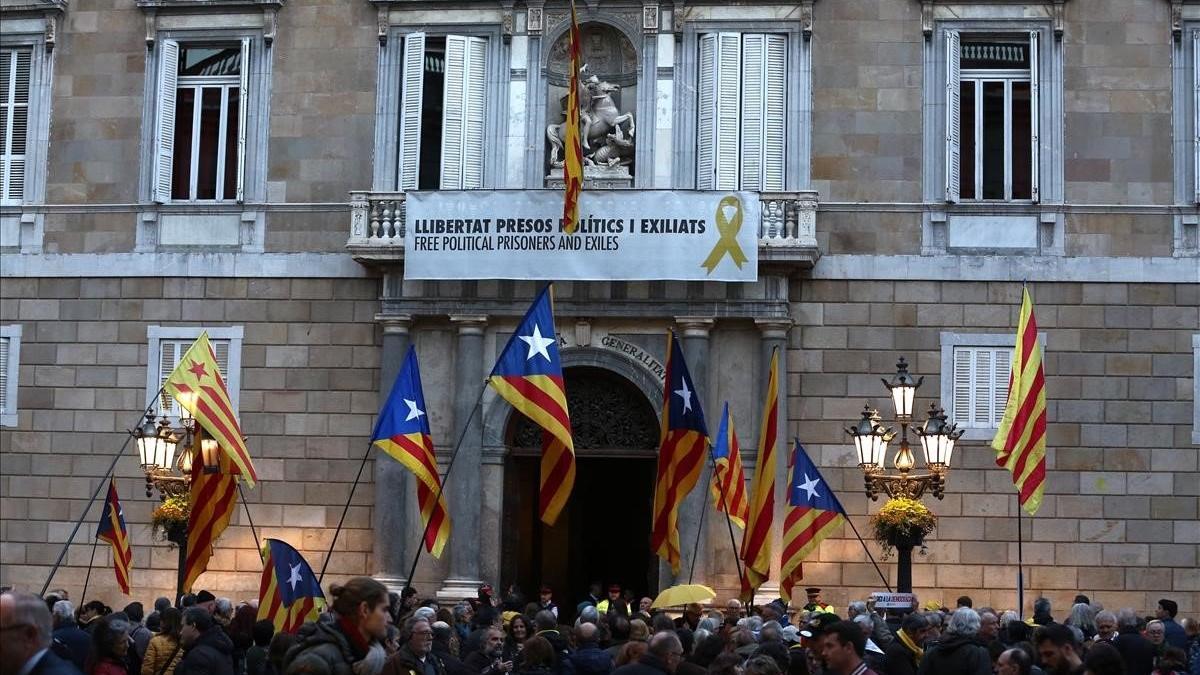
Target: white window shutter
{"type": "Point", "coordinates": [982, 391]}
{"type": "Point", "coordinates": [953, 144]}
{"type": "Point", "coordinates": [243, 108]}
{"type": "Point", "coordinates": [706, 109]}
{"type": "Point", "coordinates": [753, 106]}
{"type": "Point", "coordinates": [15, 70]}
{"type": "Point", "coordinates": [412, 88]}
{"type": "Point", "coordinates": [1196, 113]}
{"type": "Point", "coordinates": [453, 112]}
{"type": "Point", "coordinates": [1034, 113]}
{"type": "Point", "coordinates": [168, 77]}
{"type": "Point", "coordinates": [1000, 376]}
{"type": "Point", "coordinates": [474, 106]}
{"type": "Point", "coordinates": [962, 387]}
{"type": "Point", "coordinates": [775, 104]}
{"type": "Point", "coordinates": [168, 356]}
{"type": "Point", "coordinates": [4, 375]}
{"type": "Point", "coordinates": [728, 114]}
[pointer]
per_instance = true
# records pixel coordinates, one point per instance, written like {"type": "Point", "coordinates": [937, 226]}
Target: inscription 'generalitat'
{"type": "Point", "coordinates": [622, 235]}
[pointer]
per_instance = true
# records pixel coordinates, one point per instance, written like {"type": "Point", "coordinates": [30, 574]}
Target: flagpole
{"type": "Point", "coordinates": [699, 533]}
{"type": "Point", "coordinates": [1020, 565]}
{"type": "Point", "coordinates": [886, 585]}
{"type": "Point", "coordinates": [99, 486]}
{"type": "Point", "coordinates": [88, 577]}
{"type": "Point", "coordinates": [712, 458]}
{"type": "Point", "coordinates": [442, 485]}
{"type": "Point", "coordinates": [349, 498]}
{"type": "Point", "coordinates": [257, 541]}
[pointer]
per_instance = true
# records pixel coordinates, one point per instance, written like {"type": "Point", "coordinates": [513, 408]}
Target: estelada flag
{"type": "Point", "coordinates": [112, 529]}
{"type": "Point", "coordinates": [813, 514]}
{"type": "Point", "coordinates": [680, 453]}
{"type": "Point", "coordinates": [403, 432]}
{"type": "Point", "coordinates": [289, 593]}
{"type": "Point", "coordinates": [1020, 442]}
{"type": "Point", "coordinates": [729, 478]}
{"type": "Point", "coordinates": [529, 376]}
{"type": "Point", "coordinates": [756, 544]}
{"type": "Point", "coordinates": [198, 386]}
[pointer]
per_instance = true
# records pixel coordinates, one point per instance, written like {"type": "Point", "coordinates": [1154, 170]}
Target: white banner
{"type": "Point", "coordinates": [622, 235]}
{"type": "Point", "coordinates": [893, 600]}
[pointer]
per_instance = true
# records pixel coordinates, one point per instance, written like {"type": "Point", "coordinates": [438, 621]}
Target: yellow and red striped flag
{"type": "Point", "coordinates": [1020, 442]}
{"type": "Point", "coordinates": [813, 514]}
{"type": "Point", "coordinates": [572, 146]}
{"type": "Point", "coordinates": [288, 593]}
{"type": "Point", "coordinates": [680, 453]}
{"type": "Point", "coordinates": [198, 386]}
{"type": "Point", "coordinates": [729, 478]}
{"type": "Point", "coordinates": [756, 543]}
{"type": "Point", "coordinates": [112, 529]}
{"type": "Point", "coordinates": [213, 497]}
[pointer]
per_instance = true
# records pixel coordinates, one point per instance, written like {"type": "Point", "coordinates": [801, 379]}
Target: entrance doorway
{"type": "Point", "coordinates": [603, 534]}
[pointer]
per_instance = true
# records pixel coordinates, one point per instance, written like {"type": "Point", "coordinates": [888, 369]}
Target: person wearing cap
{"type": "Point", "coordinates": [814, 601]}
{"type": "Point", "coordinates": [206, 600]}
{"type": "Point", "coordinates": [1174, 633]}
{"type": "Point", "coordinates": [613, 602]}
{"type": "Point", "coordinates": [546, 600]}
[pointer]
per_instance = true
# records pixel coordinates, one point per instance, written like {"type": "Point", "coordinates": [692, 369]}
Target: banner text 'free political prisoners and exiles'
{"type": "Point", "coordinates": [622, 235]}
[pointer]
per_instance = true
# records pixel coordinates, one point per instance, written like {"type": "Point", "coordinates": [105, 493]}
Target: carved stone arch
{"type": "Point", "coordinates": [627, 23]}
{"type": "Point", "coordinates": [497, 413]}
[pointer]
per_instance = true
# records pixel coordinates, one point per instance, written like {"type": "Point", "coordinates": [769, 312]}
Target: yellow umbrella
{"type": "Point", "coordinates": [682, 595]}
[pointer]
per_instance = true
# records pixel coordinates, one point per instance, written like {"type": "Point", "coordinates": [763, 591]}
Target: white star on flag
{"type": "Point", "coordinates": [413, 411]}
{"type": "Point", "coordinates": [810, 486]}
{"type": "Point", "coordinates": [685, 394]}
{"type": "Point", "coordinates": [537, 343]}
{"type": "Point", "coordinates": [295, 578]}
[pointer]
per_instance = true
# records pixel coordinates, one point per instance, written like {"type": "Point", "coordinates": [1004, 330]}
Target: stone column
{"type": "Point", "coordinates": [395, 514]}
{"type": "Point", "coordinates": [694, 336]}
{"type": "Point", "coordinates": [773, 334]}
{"type": "Point", "coordinates": [463, 484]}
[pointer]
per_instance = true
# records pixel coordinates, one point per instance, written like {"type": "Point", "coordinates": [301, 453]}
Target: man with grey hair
{"type": "Point", "coordinates": [959, 650]}
{"type": "Point", "coordinates": [69, 641]}
{"type": "Point", "coordinates": [25, 634]}
{"type": "Point", "coordinates": [1136, 651]}
{"type": "Point", "coordinates": [1106, 626]}
{"type": "Point", "coordinates": [878, 632]}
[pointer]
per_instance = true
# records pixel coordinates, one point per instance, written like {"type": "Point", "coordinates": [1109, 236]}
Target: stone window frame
{"type": "Point", "coordinates": [11, 334]}
{"type": "Point", "coordinates": [386, 165]}
{"type": "Point", "coordinates": [247, 234]}
{"type": "Point", "coordinates": [155, 335]}
{"type": "Point", "coordinates": [22, 226]}
{"type": "Point", "coordinates": [798, 169]}
{"type": "Point", "coordinates": [1046, 236]}
{"type": "Point", "coordinates": [1185, 128]}
{"type": "Point", "coordinates": [951, 340]}
{"type": "Point", "coordinates": [1196, 388]}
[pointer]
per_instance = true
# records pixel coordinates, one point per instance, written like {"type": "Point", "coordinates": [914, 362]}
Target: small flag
{"type": "Point", "coordinates": [112, 529]}
{"type": "Point", "coordinates": [198, 386]}
{"type": "Point", "coordinates": [289, 594]}
{"type": "Point", "coordinates": [756, 544]}
{"type": "Point", "coordinates": [729, 478]}
{"type": "Point", "coordinates": [680, 453]}
{"type": "Point", "coordinates": [403, 432]}
{"type": "Point", "coordinates": [572, 145]}
{"type": "Point", "coordinates": [213, 497]}
{"type": "Point", "coordinates": [529, 376]}
{"type": "Point", "coordinates": [1020, 442]}
{"type": "Point", "coordinates": [813, 514]}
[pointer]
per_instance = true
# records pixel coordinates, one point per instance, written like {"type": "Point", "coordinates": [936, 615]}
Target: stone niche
{"type": "Point", "coordinates": [608, 99]}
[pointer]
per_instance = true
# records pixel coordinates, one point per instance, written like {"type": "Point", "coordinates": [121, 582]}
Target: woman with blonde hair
{"type": "Point", "coordinates": [164, 651]}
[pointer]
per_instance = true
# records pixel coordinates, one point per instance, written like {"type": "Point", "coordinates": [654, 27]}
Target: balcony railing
{"type": "Point", "coordinates": [787, 231]}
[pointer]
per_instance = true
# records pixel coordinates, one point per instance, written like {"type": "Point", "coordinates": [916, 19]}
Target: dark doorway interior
{"type": "Point", "coordinates": [603, 535]}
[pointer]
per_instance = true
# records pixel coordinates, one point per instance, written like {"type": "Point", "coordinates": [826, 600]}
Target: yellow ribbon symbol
{"type": "Point", "coordinates": [729, 228]}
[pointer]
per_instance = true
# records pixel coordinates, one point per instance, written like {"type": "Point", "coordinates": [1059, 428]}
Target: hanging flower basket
{"type": "Point", "coordinates": [170, 519]}
{"type": "Point", "coordinates": [902, 523]}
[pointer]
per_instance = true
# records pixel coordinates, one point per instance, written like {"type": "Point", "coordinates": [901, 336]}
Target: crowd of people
{"type": "Point", "coordinates": [366, 630]}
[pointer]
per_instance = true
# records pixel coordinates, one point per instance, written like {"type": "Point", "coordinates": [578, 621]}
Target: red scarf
{"type": "Point", "coordinates": [358, 641]}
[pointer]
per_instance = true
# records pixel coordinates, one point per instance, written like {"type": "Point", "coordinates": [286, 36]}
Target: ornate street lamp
{"type": "Point", "coordinates": [871, 439]}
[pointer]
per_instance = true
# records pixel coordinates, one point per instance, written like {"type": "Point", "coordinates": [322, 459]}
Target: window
{"type": "Point", "coordinates": [10, 362]}
{"type": "Point", "coordinates": [15, 70]}
{"type": "Point", "coordinates": [741, 111]}
{"type": "Point", "coordinates": [974, 380]}
{"type": "Point", "coordinates": [991, 117]}
{"type": "Point", "coordinates": [167, 346]}
{"type": "Point", "coordinates": [201, 131]}
{"type": "Point", "coordinates": [443, 98]}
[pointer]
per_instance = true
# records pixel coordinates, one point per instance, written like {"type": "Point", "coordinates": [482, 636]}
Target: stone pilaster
{"type": "Point", "coordinates": [773, 335]}
{"type": "Point", "coordinates": [463, 483]}
{"type": "Point", "coordinates": [396, 518]}
{"type": "Point", "coordinates": [694, 334]}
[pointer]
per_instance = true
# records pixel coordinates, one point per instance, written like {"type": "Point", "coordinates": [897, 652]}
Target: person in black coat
{"type": "Point", "coordinates": [959, 650]}
{"type": "Point", "coordinates": [486, 659]}
{"type": "Point", "coordinates": [1136, 651]}
{"type": "Point", "coordinates": [664, 655]}
{"type": "Point", "coordinates": [69, 642]}
{"type": "Point", "coordinates": [588, 658]}
{"type": "Point", "coordinates": [903, 656]}
{"type": "Point", "coordinates": [207, 650]}
{"type": "Point", "coordinates": [25, 640]}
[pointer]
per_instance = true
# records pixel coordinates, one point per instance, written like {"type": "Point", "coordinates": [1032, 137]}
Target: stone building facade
{"type": "Point", "coordinates": [918, 160]}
